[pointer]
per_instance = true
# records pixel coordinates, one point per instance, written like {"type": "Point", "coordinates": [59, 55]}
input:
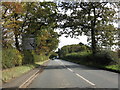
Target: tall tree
{"type": "Point", "coordinates": [93, 19]}
{"type": "Point", "coordinates": [38, 15]}
{"type": "Point", "coordinates": [47, 41]}
{"type": "Point", "coordinates": [27, 18]}
{"type": "Point", "coordinates": [39, 20]}
{"type": "Point", "coordinates": [32, 19]}
{"type": "Point", "coordinates": [11, 21]}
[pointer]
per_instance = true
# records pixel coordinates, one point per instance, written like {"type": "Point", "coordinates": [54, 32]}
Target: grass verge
{"type": "Point", "coordinates": [115, 68]}
{"type": "Point", "coordinates": [14, 72]}
{"type": "Point", "coordinates": [104, 60]}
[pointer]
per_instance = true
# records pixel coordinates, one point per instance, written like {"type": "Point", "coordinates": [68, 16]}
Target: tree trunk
{"type": "Point", "coordinates": [17, 42]}
{"type": "Point", "coordinates": [94, 48]}
{"type": "Point", "coordinates": [16, 35]}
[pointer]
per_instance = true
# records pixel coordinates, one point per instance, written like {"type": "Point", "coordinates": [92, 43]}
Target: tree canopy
{"type": "Point", "coordinates": [35, 19]}
{"type": "Point", "coordinates": [73, 48]}
{"type": "Point", "coordinates": [94, 19]}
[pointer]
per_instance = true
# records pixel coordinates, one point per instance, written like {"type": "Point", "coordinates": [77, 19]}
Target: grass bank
{"type": "Point", "coordinates": [14, 72]}
{"type": "Point", "coordinates": [109, 67]}
{"type": "Point", "coordinates": [100, 60]}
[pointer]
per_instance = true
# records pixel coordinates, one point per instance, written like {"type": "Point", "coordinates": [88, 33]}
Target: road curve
{"type": "Point", "coordinates": [64, 74]}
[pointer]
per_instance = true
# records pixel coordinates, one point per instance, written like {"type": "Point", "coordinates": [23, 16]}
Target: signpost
{"type": "Point", "coordinates": [28, 42]}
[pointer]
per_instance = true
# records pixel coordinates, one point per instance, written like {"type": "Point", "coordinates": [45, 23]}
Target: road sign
{"type": "Point", "coordinates": [28, 42]}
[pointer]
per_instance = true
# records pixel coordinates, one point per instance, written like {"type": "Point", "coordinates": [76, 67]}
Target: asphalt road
{"type": "Point", "coordinates": [64, 74]}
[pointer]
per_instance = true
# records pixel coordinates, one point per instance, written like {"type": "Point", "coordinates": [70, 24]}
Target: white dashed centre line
{"type": "Point", "coordinates": [85, 79]}
{"type": "Point", "coordinates": [79, 75]}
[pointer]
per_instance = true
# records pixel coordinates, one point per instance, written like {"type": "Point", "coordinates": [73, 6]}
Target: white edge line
{"type": "Point", "coordinates": [61, 63]}
{"type": "Point", "coordinates": [31, 80]}
{"type": "Point", "coordinates": [70, 69]}
{"type": "Point", "coordinates": [28, 79]}
{"type": "Point", "coordinates": [85, 79]}
{"type": "Point", "coordinates": [34, 75]}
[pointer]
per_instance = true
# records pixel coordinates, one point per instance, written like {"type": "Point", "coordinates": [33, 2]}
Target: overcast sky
{"type": "Point", "coordinates": [68, 41]}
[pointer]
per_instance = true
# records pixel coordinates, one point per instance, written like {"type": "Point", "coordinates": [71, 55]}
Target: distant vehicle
{"type": "Point", "coordinates": [53, 58]}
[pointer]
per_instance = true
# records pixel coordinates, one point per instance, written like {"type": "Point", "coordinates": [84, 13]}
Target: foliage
{"type": "Point", "coordinates": [11, 58]}
{"type": "Point", "coordinates": [26, 18]}
{"type": "Point", "coordinates": [34, 18]}
{"type": "Point", "coordinates": [8, 74]}
{"type": "Point", "coordinates": [28, 57]}
{"type": "Point", "coordinates": [80, 56]}
{"type": "Point", "coordinates": [100, 58]}
{"type": "Point", "coordinates": [113, 67]}
{"type": "Point", "coordinates": [53, 55]}
{"type": "Point", "coordinates": [40, 58]}
{"type": "Point", "coordinates": [106, 57]}
{"type": "Point", "coordinates": [47, 41]}
{"type": "Point", "coordinates": [11, 23]}
{"type": "Point", "coordinates": [118, 53]}
{"type": "Point", "coordinates": [14, 72]}
{"type": "Point", "coordinates": [94, 19]}
{"type": "Point", "coordinates": [72, 48]}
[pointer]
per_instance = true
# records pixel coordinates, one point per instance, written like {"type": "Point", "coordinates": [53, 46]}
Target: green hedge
{"type": "Point", "coordinates": [53, 55]}
{"type": "Point", "coordinates": [41, 57]}
{"type": "Point", "coordinates": [28, 57]}
{"type": "Point", "coordinates": [106, 57]}
{"type": "Point", "coordinates": [81, 56]}
{"type": "Point", "coordinates": [101, 58]}
{"type": "Point", "coordinates": [11, 58]}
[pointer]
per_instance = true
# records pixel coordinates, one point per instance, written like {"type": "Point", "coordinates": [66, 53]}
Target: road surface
{"type": "Point", "coordinates": [64, 74]}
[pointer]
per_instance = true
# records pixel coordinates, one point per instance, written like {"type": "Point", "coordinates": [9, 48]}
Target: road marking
{"type": "Point", "coordinates": [63, 64]}
{"type": "Point", "coordinates": [82, 77]}
{"type": "Point", "coordinates": [60, 62]}
{"type": "Point", "coordinates": [70, 69]}
{"type": "Point", "coordinates": [36, 73]}
{"type": "Point", "coordinates": [85, 79]}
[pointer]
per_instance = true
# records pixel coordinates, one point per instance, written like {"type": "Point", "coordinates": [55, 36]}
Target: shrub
{"type": "Point", "coordinates": [11, 58]}
{"type": "Point", "coordinates": [53, 54]}
{"type": "Point", "coordinates": [81, 56]}
{"type": "Point", "coordinates": [41, 57]}
{"type": "Point", "coordinates": [28, 57]}
{"type": "Point", "coordinates": [119, 53]}
{"type": "Point", "coordinates": [100, 58]}
{"type": "Point", "coordinates": [106, 57]}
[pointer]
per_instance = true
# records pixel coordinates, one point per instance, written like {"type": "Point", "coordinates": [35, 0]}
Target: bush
{"type": "Point", "coordinates": [53, 55]}
{"type": "Point", "coordinates": [11, 58]}
{"type": "Point", "coordinates": [75, 48]}
{"type": "Point", "coordinates": [119, 53]}
{"type": "Point", "coordinates": [81, 56]}
{"type": "Point", "coordinates": [41, 57]}
{"type": "Point", "coordinates": [106, 58]}
{"type": "Point", "coordinates": [100, 58]}
{"type": "Point", "coordinates": [28, 57]}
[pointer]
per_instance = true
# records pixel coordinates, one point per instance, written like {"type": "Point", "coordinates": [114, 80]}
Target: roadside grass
{"type": "Point", "coordinates": [113, 67]}
{"type": "Point", "coordinates": [14, 72]}
{"type": "Point", "coordinates": [41, 63]}
{"type": "Point", "coordinates": [86, 58]}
